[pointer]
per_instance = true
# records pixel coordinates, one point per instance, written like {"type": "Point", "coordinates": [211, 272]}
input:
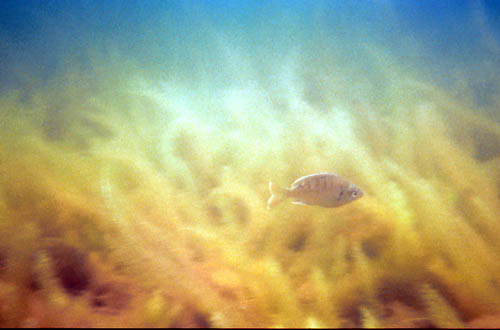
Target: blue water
{"type": "Point", "coordinates": [439, 40]}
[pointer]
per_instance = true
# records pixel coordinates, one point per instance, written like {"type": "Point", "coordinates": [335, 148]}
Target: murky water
{"type": "Point", "coordinates": [138, 139]}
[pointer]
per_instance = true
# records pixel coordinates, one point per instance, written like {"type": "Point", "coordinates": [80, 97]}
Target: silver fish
{"type": "Point", "coordinates": [322, 189]}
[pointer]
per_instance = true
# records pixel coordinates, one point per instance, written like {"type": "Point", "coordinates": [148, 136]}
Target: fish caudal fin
{"type": "Point", "coordinates": [277, 195]}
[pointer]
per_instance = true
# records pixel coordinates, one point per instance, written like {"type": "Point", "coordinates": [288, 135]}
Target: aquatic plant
{"type": "Point", "coordinates": [178, 235]}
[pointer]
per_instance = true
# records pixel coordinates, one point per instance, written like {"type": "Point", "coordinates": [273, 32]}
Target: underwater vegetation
{"type": "Point", "coordinates": [107, 219]}
{"type": "Point", "coordinates": [131, 197]}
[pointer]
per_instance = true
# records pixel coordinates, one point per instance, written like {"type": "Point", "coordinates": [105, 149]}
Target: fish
{"type": "Point", "coordinates": [321, 189]}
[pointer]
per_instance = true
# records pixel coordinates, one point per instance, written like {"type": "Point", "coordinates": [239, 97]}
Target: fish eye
{"type": "Point", "coordinates": [354, 194]}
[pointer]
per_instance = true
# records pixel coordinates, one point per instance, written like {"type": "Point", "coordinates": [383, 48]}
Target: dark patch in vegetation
{"type": "Point", "coordinates": [391, 290]}
{"type": "Point", "coordinates": [487, 145]}
{"type": "Point", "coordinates": [240, 210]}
{"type": "Point", "coordinates": [70, 266]}
{"type": "Point", "coordinates": [98, 129]}
{"type": "Point", "coordinates": [215, 214]}
{"type": "Point", "coordinates": [298, 243]}
{"type": "Point", "coordinates": [110, 297]}
{"type": "Point", "coordinates": [372, 247]}
{"type": "Point", "coordinates": [191, 318]}
{"type": "Point", "coordinates": [352, 317]}
{"type": "Point", "coordinates": [3, 259]}
{"type": "Point", "coordinates": [54, 126]}
{"type": "Point", "coordinates": [424, 324]}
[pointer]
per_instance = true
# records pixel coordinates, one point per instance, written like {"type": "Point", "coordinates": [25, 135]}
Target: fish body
{"type": "Point", "coordinates": [322, 189]}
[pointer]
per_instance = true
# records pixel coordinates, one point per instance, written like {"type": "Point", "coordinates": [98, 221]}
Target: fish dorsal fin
{"type": "Point", "coordinates": [305, 177]}
{"type": "Point", "coordinates": [300, 202]}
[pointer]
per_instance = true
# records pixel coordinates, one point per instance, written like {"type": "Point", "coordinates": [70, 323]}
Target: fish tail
{"type": "Point", "coordinates": [277, 195]}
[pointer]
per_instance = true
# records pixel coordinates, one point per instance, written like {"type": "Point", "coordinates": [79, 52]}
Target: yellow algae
{"type": "Point", "coordinates": [369, 320]}
{"type": "Point", "coordinates": [210, 254]}
{"type": "Point", "coordinates": [312, 323]}
{"type": "Point", "coordinates": [440, 313]}
{"type": "Point", "coordinates": [154, 308]}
